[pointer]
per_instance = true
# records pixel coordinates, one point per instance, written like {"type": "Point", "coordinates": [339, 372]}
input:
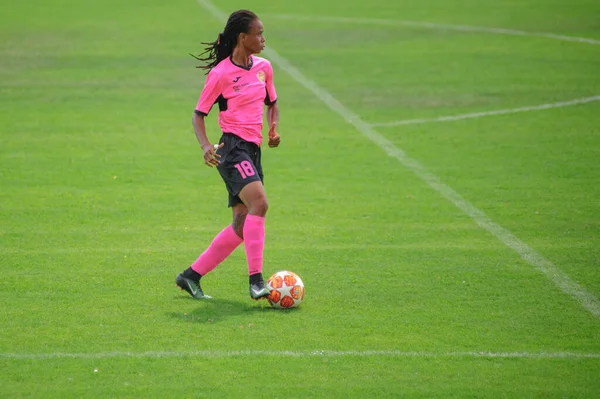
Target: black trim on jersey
{"type": "Point", "coordinates": [247, 68]}
{"type": "Point", "coordinates": [268, 99]}
{"type": "Point", "coordinates": [222, 101]}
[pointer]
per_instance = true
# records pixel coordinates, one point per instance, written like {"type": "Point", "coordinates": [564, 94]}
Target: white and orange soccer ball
{"type": "Point", "coordinates": [287, 290]}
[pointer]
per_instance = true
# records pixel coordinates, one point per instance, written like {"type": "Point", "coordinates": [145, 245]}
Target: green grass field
{"type": "Point", "coordinates": [104, 198]}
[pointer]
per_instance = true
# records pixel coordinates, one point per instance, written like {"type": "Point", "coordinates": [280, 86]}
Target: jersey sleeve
{"type": "Point", "coordinates": [210, 93]}
{"type": "Point", "coordinates": [271, 97]}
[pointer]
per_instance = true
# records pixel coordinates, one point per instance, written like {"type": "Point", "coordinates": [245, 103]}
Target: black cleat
{"type": "Point", "coordinates": [190, 286]}
{"type": "Point", "coordinates": [258, 290]}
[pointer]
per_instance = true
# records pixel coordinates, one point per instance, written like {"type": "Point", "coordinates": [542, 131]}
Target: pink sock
{"type": "Point", "coordinates": [220, 248]}
{"type": "Point", "coordinates": [254, 241]}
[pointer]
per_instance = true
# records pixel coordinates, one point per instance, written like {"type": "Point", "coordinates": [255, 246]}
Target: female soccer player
{"type": "Point", "coordinates": [241, 83]}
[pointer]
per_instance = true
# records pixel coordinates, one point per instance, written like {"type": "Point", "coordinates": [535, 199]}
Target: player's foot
{"type": "Point", "coordinates": [190, 286]}
{"type": "Point", "coordinates": [257, 287]}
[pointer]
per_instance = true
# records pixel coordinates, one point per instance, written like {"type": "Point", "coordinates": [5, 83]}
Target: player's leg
{"type": "Point", "coordinates": [227, 240]}
{"type": "Point", "coordinates": [239, 211]}
{"type": "Point", "coordinates": [219, 249]}
{"type": "Point", "coordinates": [241, 171]}
{"type": "Point", "coordinates": [254, 197]}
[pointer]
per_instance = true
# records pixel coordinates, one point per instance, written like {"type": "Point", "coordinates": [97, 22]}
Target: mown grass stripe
{"type": "Point", "coordinates": [313, 353]}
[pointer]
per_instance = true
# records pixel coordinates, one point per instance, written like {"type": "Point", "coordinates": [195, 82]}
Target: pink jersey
{"type": "Point", "coordinates": [241, 93]}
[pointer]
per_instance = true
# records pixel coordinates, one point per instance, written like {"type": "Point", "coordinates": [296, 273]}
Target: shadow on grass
{"type": "Point", "coordinates": [218, 309]}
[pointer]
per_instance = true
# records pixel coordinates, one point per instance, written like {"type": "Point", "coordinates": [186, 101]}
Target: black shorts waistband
{"type": "Point", "coordinates": [233, 136]}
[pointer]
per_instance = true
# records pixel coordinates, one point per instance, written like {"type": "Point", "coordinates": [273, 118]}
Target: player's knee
{"type": "Point", "coordinates": [260, 207]}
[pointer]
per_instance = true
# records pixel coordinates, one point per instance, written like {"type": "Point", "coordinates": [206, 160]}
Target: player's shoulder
{"type": "Point", "coordinates": [260, 61]}
{"type": "Point", "coordinates": [220, 67]}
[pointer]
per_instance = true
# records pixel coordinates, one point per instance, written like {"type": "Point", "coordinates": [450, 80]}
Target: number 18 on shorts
{"type": "Point", "coordinates": [240, 164]}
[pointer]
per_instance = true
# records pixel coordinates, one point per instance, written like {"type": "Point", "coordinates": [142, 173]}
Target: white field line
{"type": "Point", "coordinates": [301, 354]}
{"type": "Point", "coordinates": [430, 25]}
{"type": "Point", "coordinates": [553, 273]}
{"type": "Point", "coordinates": [489, 113]}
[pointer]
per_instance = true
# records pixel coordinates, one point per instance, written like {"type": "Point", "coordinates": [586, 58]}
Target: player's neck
{"type": "Point", "coordinates": [241, 57]}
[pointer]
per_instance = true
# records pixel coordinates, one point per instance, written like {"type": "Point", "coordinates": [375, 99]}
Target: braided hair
{"type": "Point", "coordinates": [215, 52]}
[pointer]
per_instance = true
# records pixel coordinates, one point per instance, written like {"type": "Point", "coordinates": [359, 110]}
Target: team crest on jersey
{"type": "Point", "coordinates": [261, 76]}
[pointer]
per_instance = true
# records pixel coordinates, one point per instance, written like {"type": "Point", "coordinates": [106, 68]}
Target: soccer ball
{"type": "Point", "coordinates": [287, 290]}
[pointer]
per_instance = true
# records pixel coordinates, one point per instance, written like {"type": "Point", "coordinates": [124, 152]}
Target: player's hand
{"type": "Point", "coordinates": [211, 158]}
{"type": "Point", "coordinates": [274, 138]}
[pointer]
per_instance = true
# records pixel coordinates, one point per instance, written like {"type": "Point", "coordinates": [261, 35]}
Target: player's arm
{"type": "Point", "coordinates": [200, 130]}
{"type": "Point", "coordinates": [210, 156]}
{"type": "Point", "coordinates": [210, 93]}
{"type": "Point", "coordinates": [273, 121]}
{"type": "Point", "coordinates": [272, 108]}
